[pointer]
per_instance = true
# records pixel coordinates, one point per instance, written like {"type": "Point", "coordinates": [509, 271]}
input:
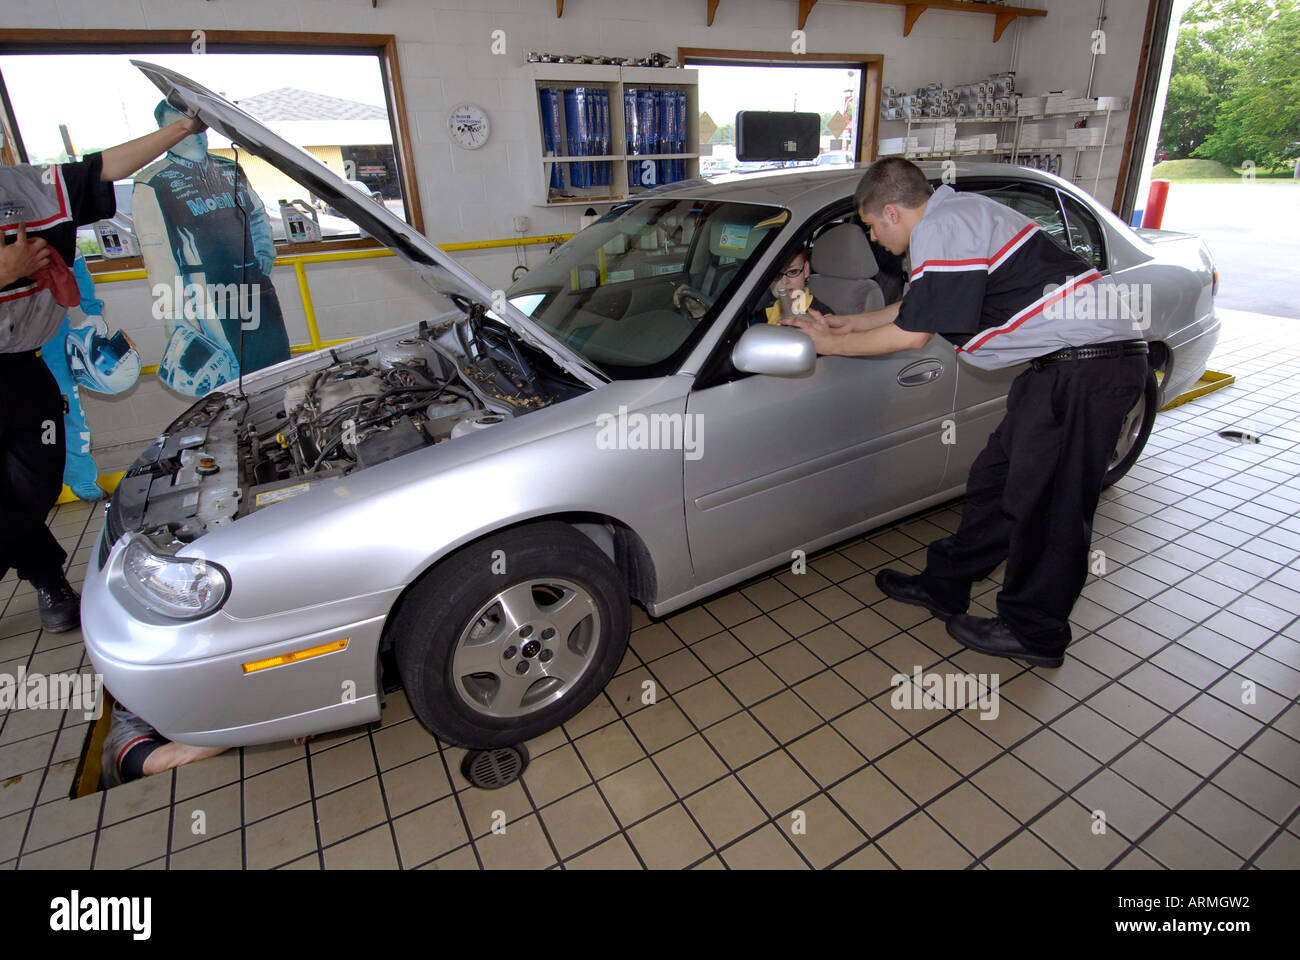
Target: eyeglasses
{"type": "Point", "coordinates": [793, 272]}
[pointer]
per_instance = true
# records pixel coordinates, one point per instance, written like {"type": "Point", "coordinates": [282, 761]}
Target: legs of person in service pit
{"type": "Point", "coordinates": [1030, 499]}
{"type": "Point", "coordinates": [133, 749]}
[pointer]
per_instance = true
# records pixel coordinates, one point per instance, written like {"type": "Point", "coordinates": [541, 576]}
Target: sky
{"type": "Point", "coordinates": [104, 100]}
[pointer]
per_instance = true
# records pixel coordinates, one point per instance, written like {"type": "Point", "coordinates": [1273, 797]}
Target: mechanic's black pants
{"type": "Point", "coordinates": [31, 467]}
{"type": "Point", "coordinates": [1032, 494]}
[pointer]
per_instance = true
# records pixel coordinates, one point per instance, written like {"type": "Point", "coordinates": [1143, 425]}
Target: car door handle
{"type": "Point", "coordinates": [921, 372]}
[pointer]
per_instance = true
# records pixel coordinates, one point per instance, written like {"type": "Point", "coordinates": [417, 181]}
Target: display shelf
{"type": "Point", "coordinates": [604, 157]}
{"type": "Point", "coordinates": [1017, 148]}
{"type": "Point", "coordinates": [950, 154]}
{"type": "Point", "coordinates": [584, 201]}
{"type": "Point", "coordinates": [1066, 113]}
{"type": "Point", "coordinates": [1003, 16]}
{"type": "Point", "coordinates": [1010, 118]}
{"type": "Point", "coordinates": [614, 80]}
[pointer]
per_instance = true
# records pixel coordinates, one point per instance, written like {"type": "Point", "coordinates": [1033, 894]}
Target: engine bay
{"type": "Point", "coordinates": [234, 453]}
{"type": "Point", "coordinates": [359, 413]}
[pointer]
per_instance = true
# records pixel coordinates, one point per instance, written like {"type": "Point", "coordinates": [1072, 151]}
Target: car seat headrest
{"type": "Point", "coordinates": [844, 251]}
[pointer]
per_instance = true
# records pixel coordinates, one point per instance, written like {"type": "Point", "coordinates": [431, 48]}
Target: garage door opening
{"type": "Point", "coordinates": [1224, 135]}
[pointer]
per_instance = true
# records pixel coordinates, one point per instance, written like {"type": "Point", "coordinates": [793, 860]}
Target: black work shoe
{"type": "Point", "coordinates": [991, 635]}
{"type": "Point", "coordinates": [909, 589]}
{"type": "Point", "coordinates": [60, 606]}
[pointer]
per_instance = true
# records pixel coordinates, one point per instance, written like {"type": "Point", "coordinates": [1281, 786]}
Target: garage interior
{"type": "Point", "coordinates": [1170, 739]}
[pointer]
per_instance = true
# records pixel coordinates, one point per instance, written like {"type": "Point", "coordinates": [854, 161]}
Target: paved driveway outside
{"type": "Point", "coordinates": [1251, 229]}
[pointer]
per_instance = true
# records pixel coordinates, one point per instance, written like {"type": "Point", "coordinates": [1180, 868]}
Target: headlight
{"type": "Point", "coordinates": [179, 587]}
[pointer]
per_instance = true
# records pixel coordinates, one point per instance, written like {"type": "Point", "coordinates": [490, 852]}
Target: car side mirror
{"type": "Point", "coordinates": [777, 351]}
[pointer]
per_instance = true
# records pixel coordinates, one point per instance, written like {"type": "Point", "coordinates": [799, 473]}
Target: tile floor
{"type": "Point", "coordinates": [1174, 724]}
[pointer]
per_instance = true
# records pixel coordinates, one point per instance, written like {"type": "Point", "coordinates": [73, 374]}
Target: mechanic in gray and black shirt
{"type": "Point", "coordinates": [42, 207]}
{"type": "Point", "coordinates": [992, 282]}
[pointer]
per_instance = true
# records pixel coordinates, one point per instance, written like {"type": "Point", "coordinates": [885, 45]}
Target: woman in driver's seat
{"type": "Point", "coordinates": [788, 294]}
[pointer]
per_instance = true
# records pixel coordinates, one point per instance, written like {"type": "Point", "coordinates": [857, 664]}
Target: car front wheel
{"type": "Point", "coordinates": [511, 636]}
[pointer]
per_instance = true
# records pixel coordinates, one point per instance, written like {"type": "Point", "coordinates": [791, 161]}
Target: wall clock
{"type": "Point", "coordinates": [468, 125]}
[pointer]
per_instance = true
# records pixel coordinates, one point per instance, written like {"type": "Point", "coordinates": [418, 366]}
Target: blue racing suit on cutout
{"type": "Point", "coordinates": [79, 471]}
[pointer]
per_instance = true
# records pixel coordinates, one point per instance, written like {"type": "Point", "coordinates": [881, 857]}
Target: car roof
{"type": "Point", "coordinates": [804, 188]}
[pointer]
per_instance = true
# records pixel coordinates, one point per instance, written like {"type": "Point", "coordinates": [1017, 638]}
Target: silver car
{"type": "Point", "coordinates": [475, 500]}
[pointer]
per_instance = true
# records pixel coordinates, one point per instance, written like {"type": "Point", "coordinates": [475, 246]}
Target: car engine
{"type": "Point", "coordinates": [362, 413]}
{"type": "Point", "coordinates": [232, 454]}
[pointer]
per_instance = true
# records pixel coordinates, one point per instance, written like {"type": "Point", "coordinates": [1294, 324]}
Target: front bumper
{"type": "Point", "coordinates": [187, 680]}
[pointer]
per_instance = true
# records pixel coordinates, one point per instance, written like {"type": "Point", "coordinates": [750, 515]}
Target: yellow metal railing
{"type": "Point", "coordinates": [299, 262]}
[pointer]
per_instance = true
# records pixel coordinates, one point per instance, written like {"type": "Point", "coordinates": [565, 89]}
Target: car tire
{"type": "Point", "coordinates": [1134, 434]}
{"type": "Point", "coordinates": [463, 631]}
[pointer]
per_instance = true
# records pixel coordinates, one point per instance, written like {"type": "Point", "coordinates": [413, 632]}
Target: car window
{"type": "Point", "coordinates": [718, 368]}
{"type": "Point", "coordinates": [614, 292]}
{"type": "Point", "coordinates": [1084, 232]}
{"type": "Point", "coordinates": [1036, 202]}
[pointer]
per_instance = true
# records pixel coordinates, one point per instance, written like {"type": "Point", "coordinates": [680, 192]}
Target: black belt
{"type": "Point", "coordinates": [1097, 351]}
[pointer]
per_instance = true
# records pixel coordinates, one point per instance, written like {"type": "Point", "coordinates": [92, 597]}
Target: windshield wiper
{"type": "Point", "coordinates": [529, 332]}
{"type": "Point", "coordinates": [520, 363]}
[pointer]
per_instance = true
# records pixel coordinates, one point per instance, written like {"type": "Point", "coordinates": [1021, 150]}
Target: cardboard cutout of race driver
{"type": "Point", "coordinates": [207, 249]}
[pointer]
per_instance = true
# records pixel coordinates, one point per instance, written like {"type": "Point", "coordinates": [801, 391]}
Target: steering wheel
{"type": "Point", "coordinates": [691, 302]}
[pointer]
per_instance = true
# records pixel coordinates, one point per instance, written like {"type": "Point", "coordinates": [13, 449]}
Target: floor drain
{"type": "Point", "coordinates": [493, 769]}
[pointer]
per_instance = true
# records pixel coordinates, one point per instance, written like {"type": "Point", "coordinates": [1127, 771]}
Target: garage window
{"type": "Point", "coordinates": [338, 98]}
{"type": "Point", "coordinates": [844, 88]}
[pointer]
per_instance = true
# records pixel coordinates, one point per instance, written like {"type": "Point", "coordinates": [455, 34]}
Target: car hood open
{"type": "Point", "coordinates": [439, 269]}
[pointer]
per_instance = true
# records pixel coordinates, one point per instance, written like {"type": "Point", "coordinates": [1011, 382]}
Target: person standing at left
{"type": "Point", "coordinates": [41, 207]}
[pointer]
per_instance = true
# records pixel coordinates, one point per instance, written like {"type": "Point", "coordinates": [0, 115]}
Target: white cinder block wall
{"type": "Point", "coordinates": [1055, 53]}
{"type": "Point", "coordinates": [445, 57]}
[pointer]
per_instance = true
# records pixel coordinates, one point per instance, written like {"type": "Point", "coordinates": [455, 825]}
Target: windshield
{"type": "Point", "coordinates": [631, 290]}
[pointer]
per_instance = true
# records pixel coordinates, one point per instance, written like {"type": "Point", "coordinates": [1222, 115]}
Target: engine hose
{"type": "Point", "coordinates": [337, 441]}
{"type": "Point", "coordinates": [329, 447]}
{"type": "Point", "coordinates": [408, 371]}
{"type": "Point", "coordinates": [331, 415]}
